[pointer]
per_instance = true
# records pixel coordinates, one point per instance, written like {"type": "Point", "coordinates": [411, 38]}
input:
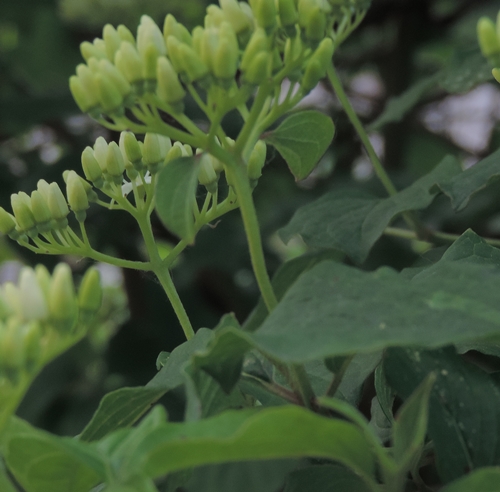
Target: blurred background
{"type": "Point", "coordinates": [424, 51]}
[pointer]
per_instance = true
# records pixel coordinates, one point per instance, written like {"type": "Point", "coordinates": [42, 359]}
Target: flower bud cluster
{"type": "Point", "coordinates": [46, 209]}
{"type": "Point", "coordinates": [255, 39]}
{"type": "Point", "coordinates": [489, 41]}
{"type": "Point", "coordinates": [40, 315]}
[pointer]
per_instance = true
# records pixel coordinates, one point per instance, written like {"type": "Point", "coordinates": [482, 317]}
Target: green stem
{"type": "Point", "coordinates": [338, 376]}
{"type": "Point", "coordinates": [377, 165]}
{"type": "Point", "coordinates": [163, 274]}
{"type": "Point", "coordinates": [301, 384]}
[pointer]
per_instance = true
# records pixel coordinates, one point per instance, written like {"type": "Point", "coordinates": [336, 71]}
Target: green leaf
{"type": "Point", "coordinates": [352, 221]}
{"type": "Point", "coordinates": [301, 140]}
{"type": "Point", "coordinates": [467, 69]}
{"type": "Point", "coordinates": [464, 421]}
{"type": "Point", "coordinates": [245, 476]}
{"type": "Point", "coordinates": [483, 480]}
{"type": "Point", "coordinates": [119, 409]}
{"type": "Point", "coordinates": [461, 187]}
{"type": "Point", "coordinates": [410, 425]}
{"type": "Point", "coordinates": [325, 478]}
{"type": "Point", "coordinates": [41, 462]}
{"type": "Point", "coordinates": [176, 196]}
{"type": "Point", "coordinates": [286, 275]}
{"type": "Point", "coordinates": [271, 433]}
{"type": "Point", "coordinates": [5, 484]}
{"type": "Point", "coordinates": [397, 107]}
{"type": "Point", "coordinates": [335, 309]}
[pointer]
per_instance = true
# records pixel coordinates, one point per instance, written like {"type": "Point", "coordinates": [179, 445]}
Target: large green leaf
{"type": "Point", "coordinates": [176, 195]}
{"type": "Point", "coordinates": [334, 309]}
{"type": "Point", "coordinates": [245, 476]}
{"type": "Point", "coordinates": [464, 415]}
{"type": "Point", "coordinates": [271, 433]}
{"type": "Point", "coordinates": [352, 221]}
{"type": "Point", "coordinates": [42, 462]}
{"type": "Point", "coordinates": [483, 480]}
{"type": "Point", "coordinates": [5, 484]}
{"type": "Point", "coordinates": [119, 409]}
{"type": "Point", "coordinates": [301, 140]}
{"type": "Point", "coordinates": [325, 478]}
{"type": "Point", "coordinates": [462, 186]}
{"type": "Point", "coordinates": [397, 107]}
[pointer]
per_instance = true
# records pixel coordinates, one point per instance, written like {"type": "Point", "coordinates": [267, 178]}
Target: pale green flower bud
{"type": "Point", "coordinates": [89, 50]}
{"type": "Point", "coordinates": [192, 64]}
{"type": "Point", "coordinates": [43, 278]}
{"type": "Point", "coordinates": [58, 206]}
{"type": "Point", "coordinates": [125, 34]}
{"type": "Point", "coordinates": [112, 41]}
{"type": "Point", "coordinates": [258, 42]}
{"type": "Point", "coordinates": [169, 88]}
{"type": "Point", "coordinates": [293, 49]}
{"type": "Point", "coordinates": [324, 53]}
{"type": "Point", "coordinates": [128, 62]}
{"type": "Point", "coordinates": [496, 74]}
{"type": "Point", "coordinates": [41, 212]}
{"type": "Point", "coordinates": [63, 305]}
{"type": "Point", "coordinates": [90, 293]}
{"type": "Point", "coordinates": [207, 175]}
{"type": "Point", "coordinates": [91, 168]}
{"type": "Point", "coordinates": [32, 298]}
{"type": "Point", "coordinates": [116, 77]}
{"type": "Point", "coordinates": [313, 19]}
{"type": "Point", "coordinates": [131, 150]}
{"type": "Point", "coordinates": [225, 62]}
{"type": "Point", "coordinates": [489, 41]}
{"type": "Point", "coordinates": [5, 309]}
{"type": "Point", "coordinates": [155, 150]}
{"type": "Point", "coordinates": [265, 13]}
{"type": "Point", "coordinates": [44, 188]}
{"type": "Point", "coordinates": [259, 69]}
{"type": "Point", "coordinates": [173, 49]}
{"type": "Point", "coordinates": [12, 359]}
{"type": "Point", "coordinates": [23, 213]}
{"type": "Point", "coordinates": [173, 28]}
{"type": "Point", "coordinates": [80, 95]}
{"type": "Point", "coordinates": [149, 67]}
{"type": "Point", "coordinates": [235, 16]}
{"type": "Point", "coordinates": [115, 165]}
{"type": "Point", "coordinates": [88, 85]}
{"type": "Point", "coordinates": [257, 160]}
{"type": "Point", "coordinates": [198, 39]}
{"type": "Point", "coordinates": [12, 297]}
{"type": "Point", "coordinates": [288, 15]}
{"type": "Point", "coordinates": [77, 196]}
{"type": "Point", "coordinates": [174, 153]}
{"type": "Point", "coordinates": [188, 150]}
{"type": "Point", "coordinates": [110, 98]}
{"type": "Point", "coordinates": [215, 16]}
{"type": "Point", "coordinates": [209, 46]}
{"type": "Point", "coordinates": [7, 222]}
{"type": "Point", "coordinates": [314, 72]}
{"type": "Point", "coordinates": [31, 338]}
{"type": "Point", "coordinates": [101, 152]}
{"type": "Point", "coordinates": [148, 33]}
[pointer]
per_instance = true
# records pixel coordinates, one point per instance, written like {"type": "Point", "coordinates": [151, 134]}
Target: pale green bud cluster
{"type": "Point", "coordinates": [259, 39]}
{"type": "Point", "coordinates": [46, 209]}
{"type": "Point", "coordinates": [41, 315]}
{"type": "Point", "coordinates": [489, 41]}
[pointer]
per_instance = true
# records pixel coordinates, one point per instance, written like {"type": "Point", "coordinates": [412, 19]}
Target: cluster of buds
{"type": "Point", "coordinates": [255, 39]}
{"type": "Point", "coordinates": [489, 40]}
{"type": "Point", "coordinates": [46, 209]}
{"type": "Point", "coordinates": [42, 315]}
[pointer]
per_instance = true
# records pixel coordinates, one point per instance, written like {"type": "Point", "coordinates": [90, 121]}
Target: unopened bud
{"type": "Point", "coordinates": [207, 175]}
{"type": "Point", "coordinates": [259, 69]}
{"type": "Point", "coordinates": [314, 72]}
{"type": "Point", "coordinates": [169, 88]}
{"type": "Point", "coordinates": [128, 61]}
{"type": "Point", "coordinates": [125, 34]}
{"type": "Point", "coordinates": [265, 13]}
{"type": "Point", "coordinates": [235, 16]}
{"type": "Point", "coordinates": [23, 213]}
{"type": "Point", "coordinates": [131, 150]}
{"type": "Point", "coordinates": [174, 153]}
{"type": "Point", "coordinates": [31, 338]}
{"type": "Point", "coordinates": [33, 303]}
{"type": "Point", "coordinates": [116, 77]}
{"type": "Point", "coordinates": [101, 152]}
{"type": "Point", "coordinates": [258, 42]}
{"type": "Point", "coordinates": [57, 205]}
{"type": "Point", "coordinates": [91, 168]}
{"type": "Point", "coordinates": [85, 103]}
{"type": "Point", "coordinates": [109, 96]}
{"type": "Point", "coordinates": [41, 212]}
{"type": "Point", "coordinates": [496, 74]}
{"type": "Point", "coordinates": [88, 85]}
{"type": "Point", "coordinates": [90, 292]}
{"type": "Point", "coordinates": [215, 16]}
{"type": "Point", "coordinates": [63, 305]}
{"type": "Point", "coordinates": [257, 160]}
{"type": "Point", "coordinates": [77, 196]}
{"type": "Point", "coordinates": [43, 278]}
{"type": "Point", "coordinates": [316, 26]}
{"type": "Point", "coordinates": [173, 28]}
{"type": "Point", "coordinates": [115, 164]}
{"type": "Point", "coordinates": [149, 34]}
{"type": "Point", "coordinates": [89, 50]}
{"type": "Point", "coordinates": [192, 64]}
{"type": "Point", "coordinates": [487, 35]}
{"type": "Point", "coordinates": [7, 222]}
{"type": "Point", "coordinates": [288, 15]}
{"type": "Point", "coordinates": [156, 148]}
{"type": "Point", "coordinates": [112, 41]}
{"type": "Point", "coordinates": [225, 62]}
